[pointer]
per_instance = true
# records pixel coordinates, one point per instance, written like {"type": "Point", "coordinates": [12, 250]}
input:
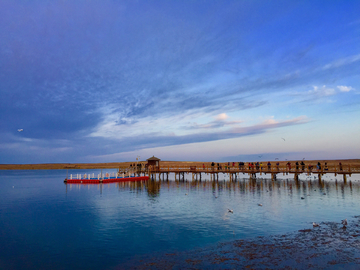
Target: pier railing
{"type": "Point", "coordinates": [344, 169]}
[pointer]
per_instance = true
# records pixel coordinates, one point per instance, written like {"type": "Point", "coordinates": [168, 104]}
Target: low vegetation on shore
{"type": "Point", "coordinates": [115, 165]}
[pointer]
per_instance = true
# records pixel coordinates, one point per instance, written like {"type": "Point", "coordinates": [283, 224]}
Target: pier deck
{"type": "Point", "coordinates": [234, 171]}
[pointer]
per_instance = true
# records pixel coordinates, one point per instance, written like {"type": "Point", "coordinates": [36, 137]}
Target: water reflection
{"type": "Point", "coordinates": [117, 220]}
{"type": "Point", "coordinates": [245, 186]}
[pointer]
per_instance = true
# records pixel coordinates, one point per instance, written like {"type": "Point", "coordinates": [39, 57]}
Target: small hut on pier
{"type": "Point", "coordinates": [153, 163]}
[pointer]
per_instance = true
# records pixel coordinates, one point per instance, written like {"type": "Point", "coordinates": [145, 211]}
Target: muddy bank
{"type": "Point", "coordinates": [329, 246]}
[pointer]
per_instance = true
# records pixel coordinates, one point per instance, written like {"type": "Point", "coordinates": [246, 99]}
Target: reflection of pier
{"type": "Point", "coordinates": [234, 171]}
{"type": "Point", "coordinates": [241, 186]}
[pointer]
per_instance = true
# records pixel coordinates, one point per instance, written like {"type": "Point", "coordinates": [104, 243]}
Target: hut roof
{"type": "Point", "coordinates": [153, 158]}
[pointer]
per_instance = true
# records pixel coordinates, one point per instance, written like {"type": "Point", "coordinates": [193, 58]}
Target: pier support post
{"type": "Point", "coordinates": [344, 176]}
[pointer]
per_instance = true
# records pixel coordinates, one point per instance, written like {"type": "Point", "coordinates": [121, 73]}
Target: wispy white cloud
{"type": "Point", "coordinates": [342, 62]}
{"type": "Point", "coordinates": [319, 94]}
{"type": "Point", "coordinates": [200, 133]}
{"type": "Point", "coordinates": [270, 121]}
{"type": "Point", "coordinates": [219, 122]}
{"type": "Point", "coordinates": [222, 116]}
{"type": "Point", "coordinates": [321, 91]}
{"type": "Point", "coordinates": [147, 142]}
{"type": "Point", "coordinates": [344, 88]}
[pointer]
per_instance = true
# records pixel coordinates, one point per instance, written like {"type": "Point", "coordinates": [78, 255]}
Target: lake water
{"type": "Point", "coordinates": [45, 224]}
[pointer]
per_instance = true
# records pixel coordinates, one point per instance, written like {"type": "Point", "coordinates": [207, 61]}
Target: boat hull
{"type": "Point", "coordinates": [106, 180]}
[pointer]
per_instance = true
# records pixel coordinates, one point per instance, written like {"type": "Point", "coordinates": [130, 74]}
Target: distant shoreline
{"type": "Point", "coordinates": [115, 165]}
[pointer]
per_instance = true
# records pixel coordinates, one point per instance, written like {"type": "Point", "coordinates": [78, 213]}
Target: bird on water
{"type": "Point", "coordinates": [315, 224]}
{"type": "Point", "coordinates": [20, 129]}
{"type": "Point", "coordinates": [344, 223]}
{"type": "Point", "coordinates": [230, 210]}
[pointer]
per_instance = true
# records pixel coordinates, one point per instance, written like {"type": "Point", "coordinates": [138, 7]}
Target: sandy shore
{"type": "Point", "coordinates": [329, 246]}
{"type": "Point", "coordinates": [115, 165]}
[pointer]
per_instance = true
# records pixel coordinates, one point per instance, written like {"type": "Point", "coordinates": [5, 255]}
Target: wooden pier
{"type": "Point", "coordinates": [234, 172]}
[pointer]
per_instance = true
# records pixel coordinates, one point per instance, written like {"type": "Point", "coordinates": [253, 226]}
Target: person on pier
{"type": "Point", "coordinates": [241, 165]}
{"type": "Point", "coordinates": [269, 166]}
{"type": "Point", "coordinates": [302, 165]}
{"type": "Point", "coordinates": [288, 166]}
{"type": "Point", "coordinates": [310, 168]}
{"type": "Point", "coordinates": [326, 167]}
{"type": "Point", "coordinates": [319, 166]}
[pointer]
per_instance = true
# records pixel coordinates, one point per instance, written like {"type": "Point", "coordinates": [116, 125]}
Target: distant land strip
{"type": "Point", "coordinates": [116, 165]}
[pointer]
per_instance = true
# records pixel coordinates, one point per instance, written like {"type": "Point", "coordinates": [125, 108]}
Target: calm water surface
{"type": "Point", "coordinates": [47, 224]}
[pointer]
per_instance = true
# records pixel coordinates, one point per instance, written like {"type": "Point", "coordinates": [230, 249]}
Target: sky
{"type": "Point", "coordinates": [192, 80]}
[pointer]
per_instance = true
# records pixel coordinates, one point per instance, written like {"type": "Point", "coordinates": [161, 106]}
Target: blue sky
{"type": "Point", "coordinates": [107, 81]}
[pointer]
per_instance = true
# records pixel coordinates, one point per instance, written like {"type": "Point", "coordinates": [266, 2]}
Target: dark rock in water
{"type": "Point", "coordinates": [306, 230]}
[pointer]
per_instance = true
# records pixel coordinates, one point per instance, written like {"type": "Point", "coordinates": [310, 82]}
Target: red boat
{"type": "Point", "coordinates": [107, 178]}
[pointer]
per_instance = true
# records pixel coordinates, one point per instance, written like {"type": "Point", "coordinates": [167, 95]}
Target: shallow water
{"type": "Point", "coordinates": [47, 224]}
